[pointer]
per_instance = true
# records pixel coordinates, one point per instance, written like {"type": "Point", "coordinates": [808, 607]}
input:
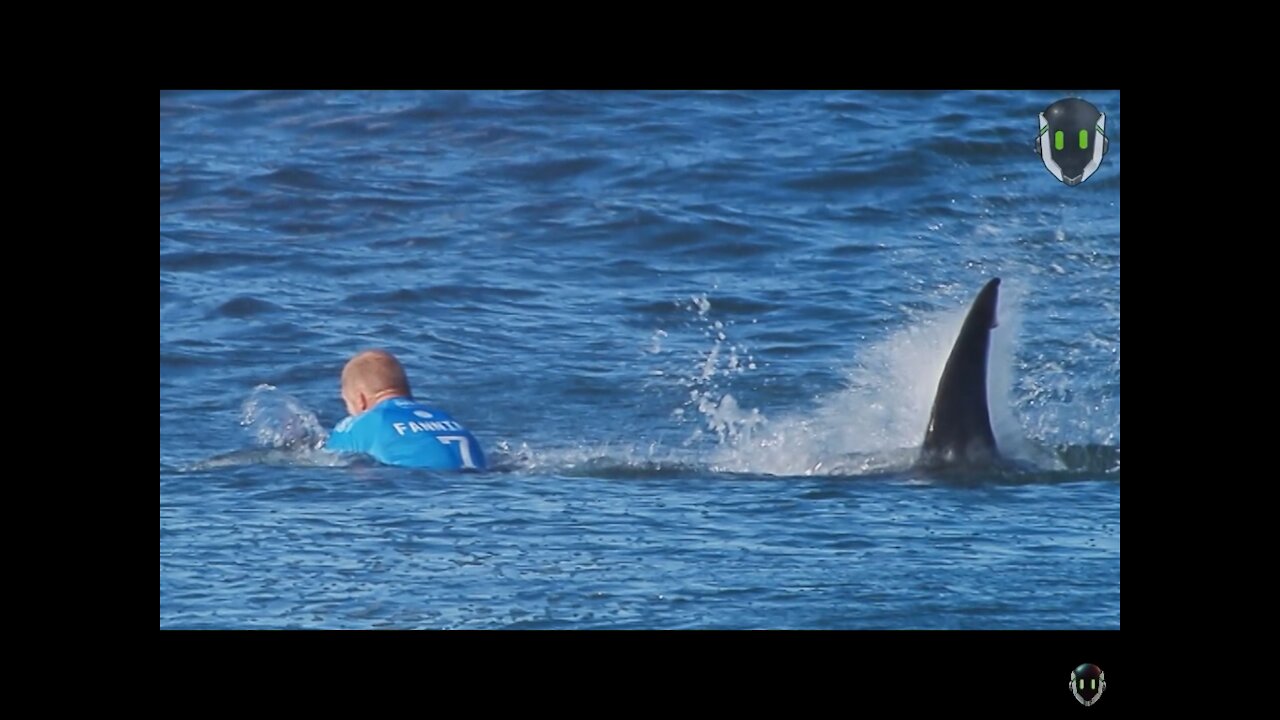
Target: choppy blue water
{"type": "Point", "coordinates": [698, 334]}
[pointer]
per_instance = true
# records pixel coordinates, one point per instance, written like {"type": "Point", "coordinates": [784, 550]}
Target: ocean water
{"type": "Point", "coordinates": [697, 333]}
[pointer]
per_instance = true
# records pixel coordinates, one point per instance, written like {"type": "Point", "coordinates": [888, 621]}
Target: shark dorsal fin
{"type": "Point", "coordinates": [960, 424]}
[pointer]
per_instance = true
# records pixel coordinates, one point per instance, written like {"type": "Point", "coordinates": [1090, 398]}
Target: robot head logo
{"type": "Point", "coordinates": [1087, 684]}
{"type": "Point", "coordinates": [1072, 140]}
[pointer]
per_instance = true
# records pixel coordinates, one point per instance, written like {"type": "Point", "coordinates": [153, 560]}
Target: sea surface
{"type": "Point", "coordinates": [697, 333]}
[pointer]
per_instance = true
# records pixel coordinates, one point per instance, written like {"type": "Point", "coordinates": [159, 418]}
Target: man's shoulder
{"type": "Point", "coordinates": [353, 424]}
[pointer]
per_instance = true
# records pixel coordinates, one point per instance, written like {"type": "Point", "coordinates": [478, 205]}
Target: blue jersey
{"type": "Point", "coordinates": [405, 432]}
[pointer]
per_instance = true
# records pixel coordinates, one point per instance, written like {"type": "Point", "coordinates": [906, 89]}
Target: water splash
{"type": "Point", "coordinates": [712, 371]}
{"type": "Point", "coordinates": [878, 420]}
{"type": "Point", "coordinates": [285, 432]}
{"type": "Point", "coordinates": [279, 420]}
{"type": "Point", "coordinates": [874, 426]}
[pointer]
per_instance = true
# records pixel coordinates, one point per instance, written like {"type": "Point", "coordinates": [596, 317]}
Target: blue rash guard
{"type": "Point", "coordinates": [405, 432]}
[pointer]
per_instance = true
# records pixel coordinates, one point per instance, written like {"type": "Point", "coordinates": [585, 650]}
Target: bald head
{"type": "Point", "coordinates": [370, 377]}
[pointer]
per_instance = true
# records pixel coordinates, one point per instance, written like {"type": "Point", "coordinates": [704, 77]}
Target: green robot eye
{"type": "Point", "coordinates": [1094, 681]}
{"type": "Point", "coordinates": [1081, 683]}
{"type": "Point", "coordinates": [1057, 140]}
{"type": "Point", "coordinates": [1084, 139]}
